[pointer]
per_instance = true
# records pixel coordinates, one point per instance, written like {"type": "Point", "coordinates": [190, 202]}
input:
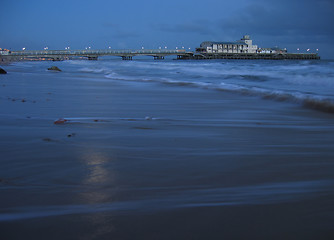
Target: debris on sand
{"type": "Point", "coordinates": [54, 68]}
{"type": "Point", "coordinates": [2, 71]}
{"type": "Point", "coordinates": [60, 121]}
{"type": "Point", "coordinates": [71, 135]}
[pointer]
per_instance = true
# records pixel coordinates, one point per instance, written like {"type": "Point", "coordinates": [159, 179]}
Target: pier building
{"type": "Point", "coordinates": [244, 45]}
{"type": "Point", "coordinates": [244, 49]}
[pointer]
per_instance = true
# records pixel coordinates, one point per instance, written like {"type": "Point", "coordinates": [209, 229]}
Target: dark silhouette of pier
{"type": "Point", "coordinates": [157, 54]}
{"type": "Point", "coordinates": [57, 55]}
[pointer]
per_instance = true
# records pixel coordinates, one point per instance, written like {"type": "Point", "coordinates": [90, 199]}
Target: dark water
{"type": "Point", "coordinates": [167, 150]}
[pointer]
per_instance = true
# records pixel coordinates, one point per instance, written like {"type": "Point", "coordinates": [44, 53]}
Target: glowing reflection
{"type": "Point", "coordinates": [99, 180]}
{"type": "Point", "coordinates": [96, 163]}
{"type": "Point", "coordinates": [98, 187]}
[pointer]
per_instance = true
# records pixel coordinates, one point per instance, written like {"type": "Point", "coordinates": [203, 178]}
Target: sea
{"type": "Point", "coordinates": [167, 149]}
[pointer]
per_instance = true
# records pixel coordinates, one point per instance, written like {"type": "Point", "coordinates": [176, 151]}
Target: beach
{"type": "Point", "coordinates": [147, 149]}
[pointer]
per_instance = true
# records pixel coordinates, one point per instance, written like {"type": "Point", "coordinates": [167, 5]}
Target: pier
{"type": "Point", "coordinates": [157, 54]}
{"type": "Point", "coordinates": [57, 55]}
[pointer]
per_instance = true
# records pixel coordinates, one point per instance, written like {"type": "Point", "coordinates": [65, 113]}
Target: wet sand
{"type": "Point", "coordinates": [150, 161]}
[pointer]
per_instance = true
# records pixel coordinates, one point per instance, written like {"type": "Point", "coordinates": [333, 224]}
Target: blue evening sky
{"type": "Point", "coordinates": [35, 24]}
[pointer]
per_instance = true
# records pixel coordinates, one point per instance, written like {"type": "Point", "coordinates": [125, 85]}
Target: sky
{"type": "Point", "coordinates": [133, 24]}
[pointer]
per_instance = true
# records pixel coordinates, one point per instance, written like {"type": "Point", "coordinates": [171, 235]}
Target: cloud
{"type": "Point", "coordinates": [117, 31]}
{"type": "Point", "coordinates": [200, 27]}
{"type": "Point", "coordinates": [287, 20]}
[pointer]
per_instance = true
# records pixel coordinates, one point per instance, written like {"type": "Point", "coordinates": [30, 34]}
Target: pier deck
{"type": "Point", "coordinates": [158, 54]}
{"type": "Point", "coordinates": [57, 55]}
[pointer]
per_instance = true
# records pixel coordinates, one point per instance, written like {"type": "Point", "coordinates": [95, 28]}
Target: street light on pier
{"type": "Point", "coordinates": [23, 48]}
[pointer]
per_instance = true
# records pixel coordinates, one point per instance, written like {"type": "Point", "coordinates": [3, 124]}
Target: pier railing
{"type": "Point", "coordinates": [108, 52]}
{"type": "Point", "coordinates": [128, 54]}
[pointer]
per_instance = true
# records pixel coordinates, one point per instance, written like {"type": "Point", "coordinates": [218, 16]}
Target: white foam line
{"type": "Point", "coordinates": [251, 90]}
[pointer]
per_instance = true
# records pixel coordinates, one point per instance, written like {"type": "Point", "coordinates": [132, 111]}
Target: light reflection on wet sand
{"type": "Point", "coordinates": [100, 180]}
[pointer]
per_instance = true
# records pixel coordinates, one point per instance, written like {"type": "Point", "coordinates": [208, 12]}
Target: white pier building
{"type": "Point", "coordinates": [244, 45]}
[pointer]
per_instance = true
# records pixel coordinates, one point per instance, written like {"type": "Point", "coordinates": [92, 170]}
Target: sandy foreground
{"type": "Point", "coordinates": [150, 161]}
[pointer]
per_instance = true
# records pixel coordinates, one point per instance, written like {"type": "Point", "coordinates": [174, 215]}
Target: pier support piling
{"type": "Point", "coordinates": [126, 57]}
{"type": "Point", "coordinates": [92, 57]}
{"type": "Point", "coordinates": [159, 57]}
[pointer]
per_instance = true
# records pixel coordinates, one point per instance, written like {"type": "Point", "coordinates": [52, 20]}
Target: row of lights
{"type": "Point", "coordinates": [308, 49]}
{"type": "Point", "coordinates": [166, 48]}
{"type": "Point", "coordinates": [88, 48]}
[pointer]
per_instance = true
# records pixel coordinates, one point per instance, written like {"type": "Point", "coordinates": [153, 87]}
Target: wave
{"type": "Point", "coordinates": [309, 100]}
{"type": "Point", "coordinates": [306, 99]}
{"type": "Point", "coordinates": [171, 198]}
{"type": "Point", "coordinates": [94, 70]}
{"type": "Point", "coordinates": [307, 83]}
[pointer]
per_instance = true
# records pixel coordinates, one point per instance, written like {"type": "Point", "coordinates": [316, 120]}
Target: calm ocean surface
{"type": "Point", "coordinates": [167, 150]}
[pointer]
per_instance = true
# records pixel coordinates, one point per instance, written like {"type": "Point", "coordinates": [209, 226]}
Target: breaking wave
{"type": "Point", "coordinates": [306, 99]}
{"type": "Point", "coordinates": [309, 100]}
{"type": "Point", "coordinates": [308, 83]}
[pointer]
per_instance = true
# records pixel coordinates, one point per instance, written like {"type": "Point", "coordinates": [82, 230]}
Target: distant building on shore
{"type": "Point", "coordinates": [244, 45]}
{"type": "Point", "coordinates": [4, 51]}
